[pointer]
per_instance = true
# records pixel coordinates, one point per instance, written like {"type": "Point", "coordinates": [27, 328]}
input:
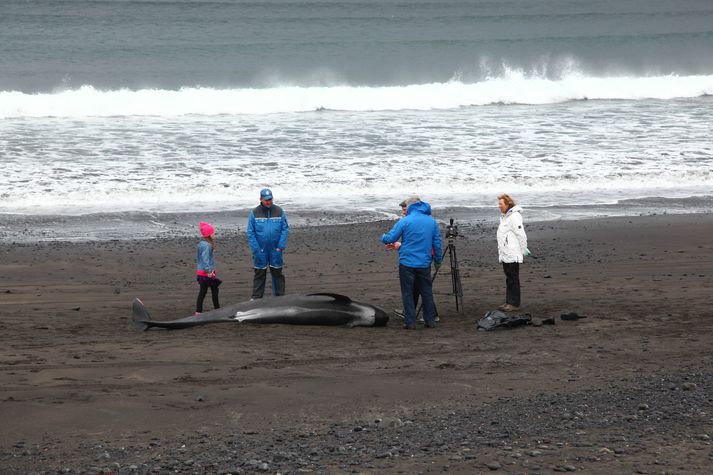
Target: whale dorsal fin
{"type": "Point", "coordinates": [339, 298]}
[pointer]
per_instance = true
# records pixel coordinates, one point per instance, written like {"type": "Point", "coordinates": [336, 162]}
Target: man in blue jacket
{"type": "Point", "coordinates": [420, 244]}
{"type": "Point", "coordinates": [267, 236]}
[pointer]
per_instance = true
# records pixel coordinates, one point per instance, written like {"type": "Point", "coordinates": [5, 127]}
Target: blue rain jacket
{"type": "Point", "coordinates": [419, 234]}
{"type": "Point", "coordinates": [267, 232]}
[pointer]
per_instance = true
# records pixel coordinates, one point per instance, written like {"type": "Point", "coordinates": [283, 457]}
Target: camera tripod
{"type": "Point", "coordinates": [456, 286]}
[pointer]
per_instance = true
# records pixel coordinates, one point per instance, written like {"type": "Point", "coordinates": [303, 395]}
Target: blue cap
{"type": "Point", "coordinates": [266, 194]}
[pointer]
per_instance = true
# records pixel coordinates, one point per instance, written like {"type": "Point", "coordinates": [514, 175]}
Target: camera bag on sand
{"type": "Point", "coordinates": [495, 319]}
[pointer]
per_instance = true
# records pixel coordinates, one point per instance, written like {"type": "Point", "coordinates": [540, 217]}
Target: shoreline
{"type": "Point", "coordinates": [127, 226]}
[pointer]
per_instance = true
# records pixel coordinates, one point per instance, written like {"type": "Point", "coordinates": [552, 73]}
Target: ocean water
{"type": "Point", "coordinates": [136, 110]}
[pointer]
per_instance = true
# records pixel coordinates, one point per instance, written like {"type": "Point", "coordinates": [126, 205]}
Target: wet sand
{"type": "Point", "coordinates": [629, 389]}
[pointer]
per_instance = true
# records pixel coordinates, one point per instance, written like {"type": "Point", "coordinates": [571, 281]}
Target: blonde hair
{"type": "Point", "coordinates": [209, 240]}
{"type": "Point", "coordinates": [507, 199]}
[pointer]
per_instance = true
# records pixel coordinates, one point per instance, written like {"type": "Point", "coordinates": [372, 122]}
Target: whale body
{"type": "Point", "coordinates": [301, 309]}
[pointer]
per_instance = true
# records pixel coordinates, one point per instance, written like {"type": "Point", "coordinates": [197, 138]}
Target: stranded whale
{"type": "Point", "coordinates": [310, 309]}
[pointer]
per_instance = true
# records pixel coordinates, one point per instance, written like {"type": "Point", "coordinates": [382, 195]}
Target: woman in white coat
{"type": "Point", "coordinates": [512, 246]}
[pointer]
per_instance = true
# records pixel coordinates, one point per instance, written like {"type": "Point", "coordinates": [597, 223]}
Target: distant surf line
{"type": "Point", "coordinates": [514, 87]}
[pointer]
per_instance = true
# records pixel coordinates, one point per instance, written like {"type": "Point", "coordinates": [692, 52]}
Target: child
{"type": "Point", "coordinates": [205, 271]}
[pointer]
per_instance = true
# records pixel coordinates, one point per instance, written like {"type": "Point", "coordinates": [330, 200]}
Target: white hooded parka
{"type": "Point", "coordinates": [512, 240]}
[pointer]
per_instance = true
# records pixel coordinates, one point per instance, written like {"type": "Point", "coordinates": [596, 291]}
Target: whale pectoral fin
{"type": "Point", "coordinates": [245, 316]}
{"type": "Point", "coordinates": [140, 315]}
{"type": "Point", "coordinates": [343, 299]}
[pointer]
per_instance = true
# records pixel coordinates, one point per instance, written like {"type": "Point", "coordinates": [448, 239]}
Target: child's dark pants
{"type": "Point", "coordinates": [204, 283]}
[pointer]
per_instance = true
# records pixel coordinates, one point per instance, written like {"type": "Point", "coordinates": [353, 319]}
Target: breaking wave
{"type": "Point", "coordinates": [514, 87]}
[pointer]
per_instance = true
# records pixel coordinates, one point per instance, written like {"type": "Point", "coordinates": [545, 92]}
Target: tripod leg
{"type": "Point", "coordinates": [435, 274]}
{"type": "Point", "coordinates": [416, 295]}
{"type": "Point", "coordinates": [451, 255]}
{"type": "Point", "coordinates": [455, 277]}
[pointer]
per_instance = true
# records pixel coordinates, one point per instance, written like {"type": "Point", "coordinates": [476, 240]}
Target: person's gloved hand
{"type": "Point", "coordinates": [437, 264]}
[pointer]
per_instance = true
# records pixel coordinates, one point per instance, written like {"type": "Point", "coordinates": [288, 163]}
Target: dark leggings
{"type": "Point", "coordinates": [202, 293]}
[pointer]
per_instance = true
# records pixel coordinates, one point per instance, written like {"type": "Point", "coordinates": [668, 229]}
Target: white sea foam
{"type": "Point", "coordinates": [513, 87]}
{"type": "Point", "coordinates": [585, 152]}
{"type": "Point", "coordinates": [326, 197]}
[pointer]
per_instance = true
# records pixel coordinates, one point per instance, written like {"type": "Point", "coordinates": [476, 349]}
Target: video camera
{"type": "Point", "coordinates": [451, 230]}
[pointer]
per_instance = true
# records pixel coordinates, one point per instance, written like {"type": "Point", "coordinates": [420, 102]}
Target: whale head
{"type": "Point", "coordinates": [365, 314]}
{"type": "Point", "coordinates": [381, 318]}
{"type": "Point", "coordinates": [369, 312]}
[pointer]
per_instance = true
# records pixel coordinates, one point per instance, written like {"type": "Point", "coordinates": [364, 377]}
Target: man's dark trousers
{"type": "Point", "coordinates": [419, 277]}
{"type": "Point", "coordinates": [278, 282]}
{"type": "Point", "coordinates": [512, 280]}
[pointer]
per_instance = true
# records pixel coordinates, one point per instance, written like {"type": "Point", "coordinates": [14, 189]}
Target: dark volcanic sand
{"type": "Point", "coordinates": [627, 390]}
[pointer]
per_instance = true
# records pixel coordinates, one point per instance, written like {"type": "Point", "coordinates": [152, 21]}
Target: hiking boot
{"type": "Point", "coordinates": [503, 306]}
{"type": "Point", "coordinates": [509, 308]}
{"type": "Point", "coordinates": [431, 325]}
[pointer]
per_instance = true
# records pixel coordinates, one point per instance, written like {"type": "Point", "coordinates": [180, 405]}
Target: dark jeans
{"type": "Point", "coordinates": [418, 278]}
{"type": "Point", "coordinates": [278, 282]}
{"type": "Point", "coordinates": [417, 295]}
{"type": "Point", "coordinates": [202, 293]}
{"type": "Point", "coordinates": [512, 281]}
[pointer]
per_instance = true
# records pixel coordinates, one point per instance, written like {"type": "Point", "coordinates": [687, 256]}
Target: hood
{"type": "Point", "coordinates": [514, 209]}
{"type": "Point", "coordinates": [419, 207]}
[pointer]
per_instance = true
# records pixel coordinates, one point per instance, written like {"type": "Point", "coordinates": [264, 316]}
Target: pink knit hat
{"type": "Point", "coordinates": [206, 229]}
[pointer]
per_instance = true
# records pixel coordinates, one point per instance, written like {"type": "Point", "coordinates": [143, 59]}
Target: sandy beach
{"type": "Point", "coordinates": [629, 389]}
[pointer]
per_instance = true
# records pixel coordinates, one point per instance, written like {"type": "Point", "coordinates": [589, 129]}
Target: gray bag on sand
{"type": "Point", "coordinates": [496, 319]}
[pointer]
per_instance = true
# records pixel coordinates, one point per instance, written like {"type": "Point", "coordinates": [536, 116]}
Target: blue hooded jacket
{"type": "Point", "coordinates": [420, 237]}
{"type": "Point", "coordinates": [267, 231]}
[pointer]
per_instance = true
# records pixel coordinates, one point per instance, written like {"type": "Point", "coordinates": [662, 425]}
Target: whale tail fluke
{"type": "Point", "coordinates": [141, 316]}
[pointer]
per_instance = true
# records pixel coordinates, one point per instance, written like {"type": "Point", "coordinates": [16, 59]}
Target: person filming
{"type": "Point", "coordinates": [420, 244]}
